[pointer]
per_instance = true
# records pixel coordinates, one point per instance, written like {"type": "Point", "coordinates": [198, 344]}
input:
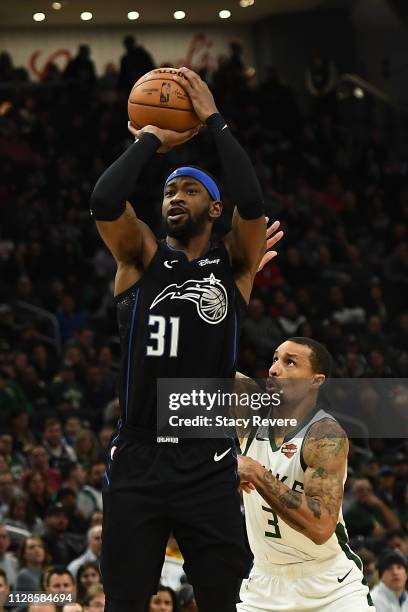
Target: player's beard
{"type": "Point", "coordinates": [184, 232]}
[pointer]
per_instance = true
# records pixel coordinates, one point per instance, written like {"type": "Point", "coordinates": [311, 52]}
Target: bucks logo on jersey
{"type": "Point", "coordinates": [208, 295]}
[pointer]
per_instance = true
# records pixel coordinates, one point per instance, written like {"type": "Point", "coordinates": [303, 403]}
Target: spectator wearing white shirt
{"type": "Point", "coordinates": [390, 595]}
{"type": "Point", "coordinates": [92, 553]}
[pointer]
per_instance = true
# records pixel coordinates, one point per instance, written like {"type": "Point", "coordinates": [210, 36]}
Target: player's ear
{"type": "Point", "coordinates": [215, 209]}
{"type": "Point", "coordinates": [318, 380]}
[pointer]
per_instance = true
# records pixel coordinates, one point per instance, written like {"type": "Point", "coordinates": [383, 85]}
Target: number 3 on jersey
{"type": "Point", "coordinates": [157, 338]}
{"type": "Point", "coordinates": [273, 522]}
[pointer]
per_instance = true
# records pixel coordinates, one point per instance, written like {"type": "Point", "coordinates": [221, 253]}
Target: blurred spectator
{"type": "Point", "coordinates": [36, 487]}
{"type": "Point", "coordinates": [86, 448]}
{"type": "Point", "coordinates": [21, 514]}
{"type": "Point", "coordinates": [81, 68]}
{"type": "Point", "coordinates": [92, 553]}
{"type": "Point", "coordinates": [68, 499]}
{"type": "Point", "coordinates": [88, 575]}
{"type": "Point", "coordinates": [94, 600]}
{"type": "Point", "coordinates": [90, 496]}
{"type": "Point", "coordinates": [321, 82]}
{"type": "Point", "coordinates": [260, 331]}
{"type": "Point", "coordinates": [72, 428]}
{"type": "Point", "coordinates": [186, 599]}
{"type": "Point", "coordinates": [32, 559]}
{"type": "Point", "coordinates": [8, 490]}
{"type": "Point", "coordinates": [369, 567]}
{"type": "Point", "coordinates": [4, 589]}
{"type": "Point", "coordinates": [70, 319]}
{"type": "Point", "coordinates": [398, 540]}
{"type": "Point", "coordinates": [61, 544]}
{"type": "Point", "coordinates": [8, 562]}
{"type": "Point", "coordinates": [368, 515]}
{"type": "Point", "coordinates": [74, 476]}
{"type": "Point", "coordinates": [390, 595]}
{"type": "Point", "coordinates": [66, 393]}
{"type": "Point", "coordinates": [164, 599]}
{"type": "Point", "coordinates": [133, 64]}
{"type": "Point", "coordinates": [39, 462]}
{"type": "Point", "coordinates": [59, 452]}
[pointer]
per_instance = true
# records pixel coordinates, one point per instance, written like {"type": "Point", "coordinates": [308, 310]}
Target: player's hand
{"type": "Point", "coordinates": [168, 138]}
{"type": "Point", "coordinates": [246, 467]}
{"type": "Point", "coordinates": [199, 92]}
{"type": "Point", "coordinates": [272, 237]}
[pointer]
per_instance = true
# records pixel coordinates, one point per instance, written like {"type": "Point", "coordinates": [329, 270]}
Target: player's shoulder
{"type": "Point", "coordinates": [326, 427]}
{"type": "Point", "coordinates": [326, 441]}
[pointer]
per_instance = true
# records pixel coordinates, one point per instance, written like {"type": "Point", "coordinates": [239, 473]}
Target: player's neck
{"type": "Point", "coordinates": [195, 247]}
{"type": "Point", "coordinates": [300, 411]}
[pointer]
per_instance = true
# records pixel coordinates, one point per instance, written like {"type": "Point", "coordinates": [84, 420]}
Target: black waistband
{"type": "Point", "coordinates": [147, 436]}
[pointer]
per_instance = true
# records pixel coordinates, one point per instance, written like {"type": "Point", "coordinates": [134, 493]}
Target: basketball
{"type": "Point", "coordinates": [156, 99]}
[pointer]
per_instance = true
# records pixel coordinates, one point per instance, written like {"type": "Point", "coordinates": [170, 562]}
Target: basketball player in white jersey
{"type": "Point", "coordinates": [293, 489]}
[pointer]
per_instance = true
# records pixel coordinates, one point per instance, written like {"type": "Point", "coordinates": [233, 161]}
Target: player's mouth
{"type": "Point", "coordinates": [272, 385]}
{"type": "Point", "coordinates": [176, 213]}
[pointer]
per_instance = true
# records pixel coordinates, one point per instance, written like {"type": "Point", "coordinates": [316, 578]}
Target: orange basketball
{"type": "Point", "coordinates": [156, 99]}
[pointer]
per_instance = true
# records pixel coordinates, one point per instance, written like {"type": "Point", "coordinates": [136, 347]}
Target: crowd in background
{"type": "Point", "coordinates": [341, 277]}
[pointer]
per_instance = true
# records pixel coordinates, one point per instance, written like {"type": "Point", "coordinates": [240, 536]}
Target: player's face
{"type": "Point", "coordinates": [291, 371]}
{"type": "Point", "coordinates": [187, 208]}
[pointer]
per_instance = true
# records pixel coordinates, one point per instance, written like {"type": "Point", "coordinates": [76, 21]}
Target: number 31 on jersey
{"type": "Point", "coordinates": [160, 329]}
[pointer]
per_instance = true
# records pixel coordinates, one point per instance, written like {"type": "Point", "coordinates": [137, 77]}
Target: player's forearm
{"type": "Point", "coordinates": [242, 182]}
{"type": "Point", "coordinates": [303, 513]}
{"type": "Point", "coordinates": [118, 182]}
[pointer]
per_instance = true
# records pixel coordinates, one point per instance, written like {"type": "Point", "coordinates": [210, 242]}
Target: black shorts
{"type": "Point", "coordinates": [151, 489]}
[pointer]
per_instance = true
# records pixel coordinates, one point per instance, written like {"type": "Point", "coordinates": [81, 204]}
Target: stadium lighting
{"type": "Point", "coordinates": [245, 3]}
{"type": "Point", "coordinates": [86, 16]}
{"type": "Point", "coordinates": [132, 15]}
{"type": "Point", "coordinates": [358, 92]}
{"type": "Point", "coordinates": [224, 14]}
{"type": "Point", "coordinates": [39, 16]}
{"type": "Point", "coordinates": [56, 6]}
{"type": "Point", "coordinates": [179, 14]}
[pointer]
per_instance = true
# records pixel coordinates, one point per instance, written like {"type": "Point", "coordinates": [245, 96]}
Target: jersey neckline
{"type": "Point", "coordinates": [291, 434]}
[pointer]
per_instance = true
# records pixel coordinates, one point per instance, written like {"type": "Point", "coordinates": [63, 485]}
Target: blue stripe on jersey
{"type": "Point", "coordinates": [130, 350]}
{"type": "Point", "coordinates": [235, 339]}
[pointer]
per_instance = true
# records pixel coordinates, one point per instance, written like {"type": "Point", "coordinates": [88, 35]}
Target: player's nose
{"type": "Point", "coordinates": [275, 369]}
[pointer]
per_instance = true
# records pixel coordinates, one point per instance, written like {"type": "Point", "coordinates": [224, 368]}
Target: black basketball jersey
{"type": "Point", "coordinates": [182, 319]}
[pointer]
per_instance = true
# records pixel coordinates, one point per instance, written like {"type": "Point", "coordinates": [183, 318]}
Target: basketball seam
{"type": "Point", "coordinates": [184, 110]}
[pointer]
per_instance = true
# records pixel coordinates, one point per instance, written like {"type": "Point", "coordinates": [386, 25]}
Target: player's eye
{"type": "Point", "coordinates": [192, 191]}
{"type": "Point", "coordinates": [168, 194]}
{"type": "Point", "coordinates": [291, 362]}
{"type": "Point", "coordinates": [274, 359]}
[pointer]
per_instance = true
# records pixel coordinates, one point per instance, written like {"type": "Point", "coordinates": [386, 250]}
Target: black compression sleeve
{"type": "Point", "coordinates": [242, 182]}
{"type": "Point", "coordinates": [118, 182]}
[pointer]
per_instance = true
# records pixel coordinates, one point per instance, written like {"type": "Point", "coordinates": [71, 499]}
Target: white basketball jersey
{"type": "Point", "coordinates": [270, 538]}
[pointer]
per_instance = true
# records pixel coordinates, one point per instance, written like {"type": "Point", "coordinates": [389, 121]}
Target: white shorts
{"type": "Point", "coordinates": [334, 585]}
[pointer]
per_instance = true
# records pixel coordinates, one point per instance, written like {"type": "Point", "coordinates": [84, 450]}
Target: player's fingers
{"type": "Point", "coordinates": [272, 228]}
{"type": "Point", "coordinates": [273, 240]}
{"type": "Point", "coordinates": [269, 255]}
{"type": "Point", "coordinates": [134, 131]}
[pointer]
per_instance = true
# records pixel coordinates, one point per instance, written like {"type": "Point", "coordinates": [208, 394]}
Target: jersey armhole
{"type": "Point", "coordinates": [302, 460]}
{"type": "Point", "coordinates": [139, 283]}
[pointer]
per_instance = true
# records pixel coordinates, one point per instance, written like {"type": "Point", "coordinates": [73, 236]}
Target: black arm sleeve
{"type": "Point", "coordinates": [242, 182]}
{"type": "Point", "coordinates": [118, 182]}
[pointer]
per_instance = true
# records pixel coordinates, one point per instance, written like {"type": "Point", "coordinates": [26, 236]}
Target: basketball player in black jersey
{"type": "Point", "coordinates": [180, 304]}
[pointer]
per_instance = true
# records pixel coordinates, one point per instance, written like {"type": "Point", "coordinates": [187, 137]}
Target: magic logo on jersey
{"type": "Point", "coordinates": [208, 295]}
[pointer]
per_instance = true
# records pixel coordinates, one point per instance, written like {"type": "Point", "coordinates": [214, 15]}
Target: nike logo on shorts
{"type": "Point", "coordinates": [218, 457]}
{"type": "Point", "coordinates": [344, 577]}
